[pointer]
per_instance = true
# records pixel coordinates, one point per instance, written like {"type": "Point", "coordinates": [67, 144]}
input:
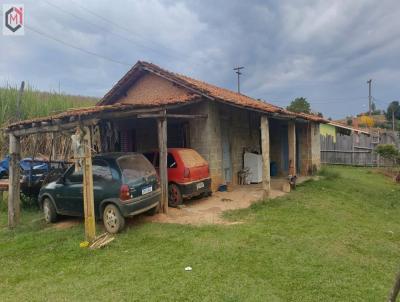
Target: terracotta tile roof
{"type": "Point", "coordinates": [198, 87]}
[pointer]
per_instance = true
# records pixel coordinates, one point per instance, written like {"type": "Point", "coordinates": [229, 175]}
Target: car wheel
{"type": "Point", "coordinates": [174, 196]}
{"type": "Point", "coordinates": [112, 219]}
{"type": "Point", "coordinates": [49, 211]}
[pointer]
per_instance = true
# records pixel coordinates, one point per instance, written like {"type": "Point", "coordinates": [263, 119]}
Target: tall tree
{"type": "Point", "coordinates": [299, 105]}
{"type": "Point", "coordinates": [393, 107]}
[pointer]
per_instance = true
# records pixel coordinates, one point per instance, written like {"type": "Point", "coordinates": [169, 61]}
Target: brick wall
{"type": "Point", "coordinates": [151, 87]}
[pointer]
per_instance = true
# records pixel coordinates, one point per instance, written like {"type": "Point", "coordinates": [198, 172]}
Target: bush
{"type": "Point", "coordinates": [388, 152]}
{"type": "Point", "coordinates": [328, 173]}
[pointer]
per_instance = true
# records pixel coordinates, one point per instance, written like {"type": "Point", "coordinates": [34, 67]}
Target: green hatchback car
{"type": "Point", "coordinates": [125, 184]}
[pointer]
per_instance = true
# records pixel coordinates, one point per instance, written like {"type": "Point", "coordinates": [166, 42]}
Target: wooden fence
{"type": "Point", "coordinates": [355, 149]}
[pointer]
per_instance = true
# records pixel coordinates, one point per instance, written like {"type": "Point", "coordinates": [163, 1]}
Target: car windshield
{"type": "Point", "coordinates": [135, 166]}
{"type": "Point", "coordinates": [191, 158]}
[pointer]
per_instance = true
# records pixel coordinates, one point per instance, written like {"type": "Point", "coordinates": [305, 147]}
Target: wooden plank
{"type": "Point", "coordinates": [292, 147]}
{"type": "Point", "coordinates": [14, 182]}
{"type": "Point", "coordinates": [88, 196]}
{"type": "Point", "coordinates": [266, 178]}
{"type": "Point", "coordinates": [73, 122]}
{"type": "Point", "coordinates": [52, 128]}
{"type": "Point", "coordinates": [162, 146]}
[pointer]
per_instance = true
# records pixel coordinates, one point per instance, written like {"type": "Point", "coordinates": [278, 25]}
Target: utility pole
{"type": "Point", "coordinates": [369, 82]}
{"type": "Point", "coordinates": [237, 70]}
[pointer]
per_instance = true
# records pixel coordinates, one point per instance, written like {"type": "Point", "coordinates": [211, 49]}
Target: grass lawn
{"type": "Point", "coordinates": [330, 240]}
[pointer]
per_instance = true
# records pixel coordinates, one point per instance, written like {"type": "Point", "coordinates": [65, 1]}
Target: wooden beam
{"type": "Point", "coordinates": [266, 178]}
{"type": "Point", "coordinates": [292, 147]}
{"type": "Point", "coordinates": [14, 182]}
{"type": "Point", "coordinates": [52, 128]}
{"type": "Point", "coordinates": [73, 122]}
{"type": "Point", "coordinates": [162, 146]}
{"type": "Point", "coordinates": [171, 115]}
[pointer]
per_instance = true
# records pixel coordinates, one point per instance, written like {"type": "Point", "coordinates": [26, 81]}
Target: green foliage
{"type": "Point", "coordinates": [300, 105]}
{"type": "Point", "coordinates": [388, 151]}
{"type": "Point", "coordinates": [393, 107]}
{"type": "Point", "coordinates": [330, 240]}
{"type": "Point", "coordinates": [36, 103]}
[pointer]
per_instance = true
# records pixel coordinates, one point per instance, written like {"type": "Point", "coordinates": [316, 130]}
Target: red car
{"type": "Point", "coordinates": [188, 174]}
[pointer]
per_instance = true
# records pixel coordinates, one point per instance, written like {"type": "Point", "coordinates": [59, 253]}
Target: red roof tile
{"type": "Point", "coordinates": [197, 87]}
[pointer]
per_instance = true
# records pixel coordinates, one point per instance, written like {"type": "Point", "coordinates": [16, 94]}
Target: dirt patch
{"type": "Point", "coordinates": [199, 211]}
{"type": "Point", "coordinates": [209, 210]}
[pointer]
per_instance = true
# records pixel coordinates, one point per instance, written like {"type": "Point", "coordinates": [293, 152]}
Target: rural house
{"type": "Point", "coordinates": [151, 108]}
{"type": "Point", "coordinates": [230, 127]}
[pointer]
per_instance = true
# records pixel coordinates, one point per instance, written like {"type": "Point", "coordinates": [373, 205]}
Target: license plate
{"type": "Point", "coordinates": [200, 185]}
{"type": "Point", "coordinates": [147, 190]}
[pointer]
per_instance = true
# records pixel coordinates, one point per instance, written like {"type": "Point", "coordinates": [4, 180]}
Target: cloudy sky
{"type": "Point", "coordinates": [322, 50]}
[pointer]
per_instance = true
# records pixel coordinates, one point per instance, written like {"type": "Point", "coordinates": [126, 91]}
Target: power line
{"type": "Point", "coordinates": [331, 101]}
{"type": "Point", "coordinates": [130, 32]}
{"type": "Point", "coordinates": [105, 29]}
{"type": "Point", "coordinates": [77, 48]}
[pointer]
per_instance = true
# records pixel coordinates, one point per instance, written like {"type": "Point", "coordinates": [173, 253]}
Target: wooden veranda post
{"type": "Point", "coordinates": [266, 178]}
{"type": "Point", "coordinates": [162, 146]}
{"type": "Point", "coordinates": [88, 196]}
{"type": "Point", "coordinates": [292, 147]}
{"type": "Point", "coordinates": [14, 182]}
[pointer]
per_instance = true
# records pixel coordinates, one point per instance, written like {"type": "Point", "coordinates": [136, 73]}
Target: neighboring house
{"type": "Point", "coordinates": [220, 124]}
{"type": "Point", "coordinates": [343, 144]}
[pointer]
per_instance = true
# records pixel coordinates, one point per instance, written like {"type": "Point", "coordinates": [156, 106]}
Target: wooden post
{"type": "Point", "coordinates": [353, 135]}
{"type": "Point", "coordinates": [292, 147]}
{"type": "Point", "coordinates": [162, 146]}
{"type": "Point", "coordinates": [14, 182]}
{"type": "Point", "coordinates": [266, 178]}
{"type": "Point", "coordinates": [88, 197]}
